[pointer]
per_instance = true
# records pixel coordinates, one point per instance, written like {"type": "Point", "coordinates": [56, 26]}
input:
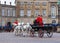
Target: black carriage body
{"type": "Point", "coordinates": [46, 27]}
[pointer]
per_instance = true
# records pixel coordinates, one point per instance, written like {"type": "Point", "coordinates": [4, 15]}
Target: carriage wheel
{"type": "Point", "coordinates": [32, 33]}
{"type": "Point", "coordinates": [40, 33]}
{"type": "Point", "coordinates": [49, 34]}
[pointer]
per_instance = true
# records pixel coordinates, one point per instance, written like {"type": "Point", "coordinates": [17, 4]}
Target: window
{"type": "Point", "coordinates": [21, 12]}
{"type": "Point", "coordinates": [44, 21]}
{"type": "Point", "coordinates": [29, 3]}
{"type": "Point", "coordinates": [28, 12]}
{"type": "Point", "coordinates": [3, 12]}
{"type": "Point", "coordinates": [44, 3]}
{"type": "Point", "coordinates": [8, 12]}
{"type": "Point", "coordinates": [13, 12]}
{"type": "Point", "coordinates": [36, 3]}
{"type": "Point", "coordinates": [44, 12]}
{"type": "Point", "coordinates": [18, 2]}
{"type": "Point", "coordinates": [12, 20]}
{"type": "Point", "coordinates": [21, 3]}
{"type": "Point", "coordinates": [3, 22]}
{"type": "Point", "coordinates": [53, 12]}
{"type": "Point", "coordinates": [0, 21]}
{"type": "Point", "coordinates": [37, 12]}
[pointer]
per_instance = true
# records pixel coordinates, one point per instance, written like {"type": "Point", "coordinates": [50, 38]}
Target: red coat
{"type": "Point", "coordinates": [16, 22]}
{"type": "Point", "coordinates": [40, 21]}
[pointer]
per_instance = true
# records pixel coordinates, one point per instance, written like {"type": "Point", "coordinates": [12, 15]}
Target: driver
{"type": "Point", "coordinates": [39, 20]}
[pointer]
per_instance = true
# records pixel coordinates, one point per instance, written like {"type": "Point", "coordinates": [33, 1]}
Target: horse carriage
{"type": "Point", "coordinates": [47, 28]}
{"type": "Point", "coordinates": [32, 28]}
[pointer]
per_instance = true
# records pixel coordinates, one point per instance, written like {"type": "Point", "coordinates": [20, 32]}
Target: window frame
{"type": "Point", "coordinates": [44, 12]}
{"type": "Point", "coordinates": [29, 12]}
{"type": "Point", "coordinates": [44, 3]}
{"type": "Point", "coordinates": [8, 12]}
{"type": "Point", "coordinates": [37, 3]}
{"type": "Point", "coordinates": [21, 12]}
{"type": "Point", "coordinates": [3, 12]}
{"type": "Point", "coordinates": [53, 11]}
{"type": "Point", "coordinates": [37, 12]}
{"type": "Point", "coordinates": [13, 12]}
{"type": "Point", "coordinates": [22, 3]}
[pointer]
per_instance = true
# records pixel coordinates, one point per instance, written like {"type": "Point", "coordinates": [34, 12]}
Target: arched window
{"type": "Point", "coordinates": [53, 11]}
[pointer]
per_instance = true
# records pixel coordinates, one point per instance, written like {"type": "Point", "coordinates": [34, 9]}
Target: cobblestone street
{"type": "Point", "coordinates": [11, 38]}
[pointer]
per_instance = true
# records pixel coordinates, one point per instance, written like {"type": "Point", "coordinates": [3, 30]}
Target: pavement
{"type": "Point", "coordinates": [6, 37]}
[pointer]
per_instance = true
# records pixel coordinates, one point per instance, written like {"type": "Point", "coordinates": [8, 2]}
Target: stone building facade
{"type": "Point", "coordinates": [7, 14]}
{"type": "Point", "coordinates": [27, 10]}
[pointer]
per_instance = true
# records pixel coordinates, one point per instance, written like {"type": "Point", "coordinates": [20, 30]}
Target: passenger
{"type": "Point", "coordinates": [9, 26]}
{"type": "Point", "coordinates": [35, 22]}
{"type": "Point", "coordinates": [40, 20]}
{"type": "Point", "coordinates": [16, 22]}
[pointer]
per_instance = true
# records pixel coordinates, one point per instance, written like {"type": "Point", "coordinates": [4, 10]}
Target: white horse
{"type": "Point", "coordinates": [18, 29]}
{"type": "Point", "coordinates": [26, 29]}
{"type": "Point", "coordinates": [22, 29]}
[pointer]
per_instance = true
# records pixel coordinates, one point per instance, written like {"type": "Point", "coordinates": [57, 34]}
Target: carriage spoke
{"type": "Point", "coordinates": [50, 33]}
{"type": "Point", "coordinates": [40, 33]}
